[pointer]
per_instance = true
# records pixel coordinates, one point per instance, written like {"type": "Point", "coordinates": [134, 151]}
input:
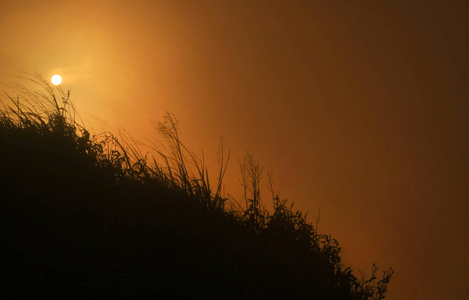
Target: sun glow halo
{"type": "Point", "coordinates": [56, 79]}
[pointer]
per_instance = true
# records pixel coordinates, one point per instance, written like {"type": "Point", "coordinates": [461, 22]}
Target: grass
{"type": "Point", "coordinates": [89, 215]}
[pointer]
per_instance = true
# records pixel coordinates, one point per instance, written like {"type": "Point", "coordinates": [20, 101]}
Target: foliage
{"type": "Point", "coordinates": [93, 216]}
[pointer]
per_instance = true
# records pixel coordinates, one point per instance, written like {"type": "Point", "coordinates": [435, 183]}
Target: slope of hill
{"type": "Point", "coordinates": [88, 215]}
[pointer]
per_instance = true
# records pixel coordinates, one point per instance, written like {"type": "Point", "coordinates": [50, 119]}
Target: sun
{"type": "Point", "coordinates": [56, 79]}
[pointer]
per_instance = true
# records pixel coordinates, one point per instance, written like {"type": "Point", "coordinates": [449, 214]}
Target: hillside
{"type": "Point", "coordinates": [88, 215]}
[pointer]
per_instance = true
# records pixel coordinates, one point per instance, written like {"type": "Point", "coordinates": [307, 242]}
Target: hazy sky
{"type": "Point", "coordinates": [359, 108]}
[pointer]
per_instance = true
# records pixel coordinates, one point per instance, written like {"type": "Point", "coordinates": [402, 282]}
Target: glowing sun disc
{"type": "Point", "coordinates": [56, 79]}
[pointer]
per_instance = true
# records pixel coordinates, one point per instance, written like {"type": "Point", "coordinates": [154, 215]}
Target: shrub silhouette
{"type": "Point", "coordinates": [91, 216]}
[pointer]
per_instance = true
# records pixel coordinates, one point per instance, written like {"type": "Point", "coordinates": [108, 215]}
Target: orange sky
{"type": "Point", "coordinates": [359, 108]}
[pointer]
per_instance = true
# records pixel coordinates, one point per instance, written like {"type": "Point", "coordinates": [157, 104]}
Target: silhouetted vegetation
{"type": "Point", "coordinates": [89, 215]}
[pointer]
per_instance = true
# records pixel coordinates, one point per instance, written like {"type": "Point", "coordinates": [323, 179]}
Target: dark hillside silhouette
{"type": "Point", "coordinates": [86, 215]}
